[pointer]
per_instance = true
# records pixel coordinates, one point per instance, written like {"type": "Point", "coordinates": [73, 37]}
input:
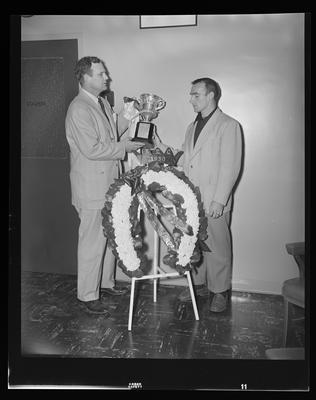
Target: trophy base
{"type": "Point", "coordinates": [144, 132]}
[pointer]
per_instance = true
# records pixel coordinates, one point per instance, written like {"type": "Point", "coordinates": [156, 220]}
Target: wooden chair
{"type": "Point", "coordinates": [293, 292]}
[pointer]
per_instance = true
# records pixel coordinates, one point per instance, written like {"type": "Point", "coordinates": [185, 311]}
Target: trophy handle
{"type": "Point", "coordinates": [161, 104]}
{"type": "Point", "coordinates": [136, 104]}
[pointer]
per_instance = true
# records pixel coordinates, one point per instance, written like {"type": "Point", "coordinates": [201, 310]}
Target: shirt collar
{"type": "Point", "coordinates": [205, 119]}
{"type": "Point", "coordinates": [92, 96]}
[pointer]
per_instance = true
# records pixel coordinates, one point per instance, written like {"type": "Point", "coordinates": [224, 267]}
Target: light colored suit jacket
{"type": "Point", "coordinates": [214, 163]}
{"type": "Point", "coordinates": [95, 153]}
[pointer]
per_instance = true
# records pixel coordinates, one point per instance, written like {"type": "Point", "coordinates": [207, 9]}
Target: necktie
{"type": "Point", "coordinates": [104, 112]}
{"type": "Point", "coordinates": [102, 108]}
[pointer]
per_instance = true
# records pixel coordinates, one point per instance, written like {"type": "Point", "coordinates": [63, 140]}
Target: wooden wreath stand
{"type": "Point", "coordinates": [159, 273]}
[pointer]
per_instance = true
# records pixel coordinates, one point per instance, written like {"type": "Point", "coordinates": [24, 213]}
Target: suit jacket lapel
{"type": "Point", "coordinates": [98, 109]}
{"type": "Point", "coordinates": [204, 134]}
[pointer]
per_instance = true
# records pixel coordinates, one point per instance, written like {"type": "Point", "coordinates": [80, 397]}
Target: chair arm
{"type": "Point", "coordinates": [296, 249]}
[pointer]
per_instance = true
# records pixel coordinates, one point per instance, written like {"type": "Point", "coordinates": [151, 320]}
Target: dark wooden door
{"type": "Point", "coordinates": [49, 223]}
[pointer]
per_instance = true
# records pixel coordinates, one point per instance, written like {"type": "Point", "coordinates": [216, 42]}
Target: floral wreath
{"type": "Point", "coordinates": [136, 189]}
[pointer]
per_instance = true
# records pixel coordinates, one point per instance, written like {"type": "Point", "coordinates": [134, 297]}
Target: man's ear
{"type": "Point", "coordinates": [211, 94]}
{"type": "Point", "coordinates": [86, 77]}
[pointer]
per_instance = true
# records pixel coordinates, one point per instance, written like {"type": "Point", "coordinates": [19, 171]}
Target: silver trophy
{"type": "Point", "coordinates": [148, 106]}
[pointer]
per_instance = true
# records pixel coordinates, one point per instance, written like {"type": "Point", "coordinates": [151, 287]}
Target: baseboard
{"type": "Point", "coordinates": [257, 286]}
{"type": "Point", "coordinates": [241, 285]}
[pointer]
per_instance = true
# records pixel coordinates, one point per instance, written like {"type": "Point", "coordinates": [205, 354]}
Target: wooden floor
{"type": "Point", "coordinates": [54, 323]}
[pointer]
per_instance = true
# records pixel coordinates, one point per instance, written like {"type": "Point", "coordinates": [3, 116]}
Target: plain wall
{"type": "Point", "coordinates": [259, 62]}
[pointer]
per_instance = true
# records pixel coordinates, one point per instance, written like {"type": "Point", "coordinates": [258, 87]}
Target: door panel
{"type": "Point", "coordinates": [49, 223]}
{"type": "Point", "coordinates": [43, 107]}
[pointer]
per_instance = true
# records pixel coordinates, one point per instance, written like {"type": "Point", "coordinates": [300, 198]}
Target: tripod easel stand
{"type": "Point", "coordinates": [159, 273]}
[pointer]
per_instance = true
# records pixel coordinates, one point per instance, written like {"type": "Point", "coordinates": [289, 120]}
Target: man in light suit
{"type": "Point", "coordinates": [212, 161]}
{"type": "Point", "coordinates": [95, 157]}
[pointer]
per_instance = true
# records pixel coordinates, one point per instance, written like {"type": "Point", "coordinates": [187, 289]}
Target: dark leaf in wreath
{"type": "Point", "coordinates": [177, 199]}
{"type": "Point", "coordinates": [108, 198]}
{"type": "Point", "coordinates": [156, 152]}
{"type": "Point", "coordinates": [194, 268]}
{"type": "Point", "coordinates": [169, 157]}
{"type": "Point", "coordinates": [112, 191]}
{"type": "Point", "coordinates": [167, 258]}
{"type": "Point", "coordinates": [137, 186]}
{"type": "Point", "coordinates": [155, 187]}
{"type": "Point", "coordinates": [138, 229]}
{"type": "Point", "coordinates": [197, 191]}
{"type": "Point", "coordinates": [177, 239]}
{"type": "Point", "coordinates": [203, 229]}
{"type": "Point", "coordinates": [112, 243]}
{"type": "Point", "coordinates": [168, 152]}
{"type": "Point", "coordinates": [138, 243]}
{"type": "Point", "coordinates": [109, 219]}
{"type": "Point", "coordinates": [196, 256]}
{"type": "Point", "coordinates": [138, 273]}
{"type": "Point", "coordinates": [173, 264]}
{"type": "Point", "coordinates": [133, 214]}
{"type": "Point", "coordinates": [204, 222]}
{"type": "Point", "coordinates": [181, 175]}
{"type": "Point", "coordinates": [202, 236]}
{"type": "Point", "coordinates": [134, 204]}
{"type": "Point", "coordinates": [155, 166]}
{"type": "Point", "coordinates": [145, 266]}
{"type": "Point", "coordinates": [106, 209]}
{"type": "Point", "coordinates": [204, 246]}
{"type": "Point", "coordinates": [128, 180]}
{"type": "Point", "coordinates": [180, 269]}
{"type": "Point", "coordinates": [176, 231]}
{"type": "Point", "coordinates": [114, 252]}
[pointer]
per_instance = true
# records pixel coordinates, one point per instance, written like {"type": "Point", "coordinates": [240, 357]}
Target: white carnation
{"type": "Point", "coordinates": [122, 228]}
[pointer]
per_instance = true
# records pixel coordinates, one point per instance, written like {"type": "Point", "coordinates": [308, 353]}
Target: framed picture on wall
{"type": "Point", "coordinates": [166, 21]}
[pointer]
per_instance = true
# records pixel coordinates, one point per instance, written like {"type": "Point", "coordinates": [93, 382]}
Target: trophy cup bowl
{"type": "Point", "coordinates": [148, 106]}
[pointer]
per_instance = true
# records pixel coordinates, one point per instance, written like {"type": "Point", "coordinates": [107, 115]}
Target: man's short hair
{"type": "Point", "coordinates": [84, 65]}
{"type": "Point", "coordinates": [211, 86]}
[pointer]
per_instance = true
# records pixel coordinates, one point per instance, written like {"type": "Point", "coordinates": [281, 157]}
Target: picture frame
{"type": "Point", "coordinates": [166, 21]}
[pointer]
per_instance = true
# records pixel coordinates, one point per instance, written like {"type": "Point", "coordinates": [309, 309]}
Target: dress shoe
{"type": "Point", "coordinates": [114, 291]}
{"type": "Point", "coordinates": [95, 307]}
{"type": "Point", "coordinates": [200, 290]}
{"type": "Point", "coordinates": [219, 302]}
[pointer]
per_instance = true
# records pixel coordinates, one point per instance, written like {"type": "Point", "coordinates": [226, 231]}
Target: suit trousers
{"type": "Point", "coordinates": [96, 262]}
{"type": "Point", "coordinates": [216, 268]}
